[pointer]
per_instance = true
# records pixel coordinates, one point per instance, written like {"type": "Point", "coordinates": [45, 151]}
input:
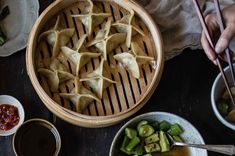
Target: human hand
{"type": "Point", "coordinates": [222, 41]}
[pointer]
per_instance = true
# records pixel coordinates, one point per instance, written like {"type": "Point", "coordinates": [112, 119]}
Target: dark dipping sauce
{"type": "Point", "coordinates": [176, 151]}
{"type": "Point", "coordinates": [35, 139]}
{"type": "Point", "coordinates": [9, 116]}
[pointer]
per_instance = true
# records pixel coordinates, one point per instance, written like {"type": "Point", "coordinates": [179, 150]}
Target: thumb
{"type": "Point", "coordinates": [224, 40]}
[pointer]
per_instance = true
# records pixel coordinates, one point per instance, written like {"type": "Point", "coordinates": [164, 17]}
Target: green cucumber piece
{"type": "Point", "coordinates": [164, 143]}
{"type": "Point", "coordinates": [139, 149]}
{"type": "Point", "coordinates": [131, 133]}
{"type": "Point", "coordinates": [145, 131]}
{"type": "Point", "coordinates": [177, 138]}
{"type": "Point", "coordinates": [164, 126]}
{"type": "Point", "coordinates": [175, 130]}
{"type": "Point", "coordinates": [155, 125]}
{"type": "Point", "coordinates": [141, 123]}
{"type": "Point", "coordinates": [152, 138]}
{"type": "Point", "coordinates": [135, 141]}
{"type": "Point", "coordinates": [125, 142]}
{"type": "Point", "coordinates": [223, 107]}
{"type": "Point", "coordinates": [153, 147]}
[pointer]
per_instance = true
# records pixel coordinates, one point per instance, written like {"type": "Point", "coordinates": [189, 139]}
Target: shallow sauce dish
{"type": "Point", "coordinates": [9, 100]}
{"type": "Point", "coordinates": [190, 134]}
{"type": "Point", "coordinates": [36, 137]}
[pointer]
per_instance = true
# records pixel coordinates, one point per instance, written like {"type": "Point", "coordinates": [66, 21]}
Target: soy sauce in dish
{"type": "Point", "coordinates": [9, 116]}
{"type": "Point", "coordinates": [35, 139]}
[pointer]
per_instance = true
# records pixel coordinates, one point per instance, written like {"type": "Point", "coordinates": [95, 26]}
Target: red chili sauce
{"type": "Point", "coordinates": [9, 117]}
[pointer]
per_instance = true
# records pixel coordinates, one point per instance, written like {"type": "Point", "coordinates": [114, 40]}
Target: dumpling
{"type": "Point", "coordinates": [57, 37]}
{"type": "Point", "coordinates": [63, 73]}
{"type": "Point", "coordinates": [102, 34]}
{"type": "Point", "coordinates": [80, 96]}
{"type": "Point", "coordinates": [77, 56]}
{"type": "Point", "coordinates": [80, 44]}
{"type": "Point", "coordinates": [57, 65]}
{"type": "Point", "coordinates": [127, 25]}
{"type": "Point", "coordinates": [105, 42]}
{"type": "Point", "coordinates": [133, 59]}
{"type": "Point", "coordinates": [92, 17]}
{"type": "Point", "coordinates": [98, 80]}
{"type": "Point", "coordinates": [55, 75]}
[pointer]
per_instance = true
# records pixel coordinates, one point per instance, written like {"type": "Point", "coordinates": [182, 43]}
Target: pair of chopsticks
{"type": "Point", "coordinates": [227, 51]}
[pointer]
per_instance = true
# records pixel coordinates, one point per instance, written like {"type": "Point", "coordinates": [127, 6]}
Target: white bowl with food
{"type": "Point", "coordinates": [220, 100]}
{"type": "Point", "coordinates": [159, 121]}
{"type": "Point", "coordinates": [11, 115]}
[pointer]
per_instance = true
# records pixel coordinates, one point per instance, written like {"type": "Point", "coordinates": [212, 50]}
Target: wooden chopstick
{"type": "Point", "coordinates": [222, 27]}
{"type": "Point", "coordinates": [204, 26]}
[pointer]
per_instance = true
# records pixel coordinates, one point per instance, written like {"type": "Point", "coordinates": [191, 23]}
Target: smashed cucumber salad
{"type": "Point", "coordinates": [148, 137]}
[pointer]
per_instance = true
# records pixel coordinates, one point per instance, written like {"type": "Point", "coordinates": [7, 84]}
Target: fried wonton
{"type": "Point", "coordinates": [57, 74]}
{"type": "Point", "coordinates": [128, 25]}
{"type": "Point", "coordinates": [57, 37]}
{"type": "Point", "coordinates": [92, 17]}
{"type": "Point", "coordinates": [98, 80]}
{"type": "Point", "coordinates": [77, 55]}
{"type": "Point", "coordinates": [106, 42]}
{"type": "Point", "coordinates": [133, 59]}
{"type": "Point", "coordinates": [80, 96]}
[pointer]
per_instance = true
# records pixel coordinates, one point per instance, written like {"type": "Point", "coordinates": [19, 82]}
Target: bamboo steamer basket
{"type": "Point", "coordinates": [120, 100]}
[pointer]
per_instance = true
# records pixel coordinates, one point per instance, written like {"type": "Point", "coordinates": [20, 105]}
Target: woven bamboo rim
{"type": "Point", "coordinates": [110, 118]}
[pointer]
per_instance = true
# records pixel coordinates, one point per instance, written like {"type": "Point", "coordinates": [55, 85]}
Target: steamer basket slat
{"type": "Point", "coordinates": [120, 100]}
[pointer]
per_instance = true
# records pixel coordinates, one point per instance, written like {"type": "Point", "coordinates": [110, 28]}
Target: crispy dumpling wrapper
{"type": "Point", "coordinates": [128, 25]}
{"type": "Point", "coordinates": [62, 71]}
{"type": "Point", "coordinates": [111, 43]}
{"type": "Point", "coordinates": [57, 37]}
{"type": "Point", "coordinates": [98, 80]}
{"type": "Point", "coordinates": [92, 18]}
{"type": "Point", "coordinates": [77, 56]}
{"type": "Point", "coordinates": [129, 62]}
{"type": "Point", "coordinates": [79, 59]}
{"type": "Point", "coordinates": [114, 41]}
{"type": "Point", "coordinates": [80, 96]}
{"type": "Point", "coordinates": [57, 74]}
{"type": "Point", "coordinates": [104, 42]}
{"type": "Point", "coordinates": [52, 78]}
{"type": "Point", "coordinates": [139, 54]}
{"type": "Point", "coordinates": [102, 34]}
{"type": "Point", "coordinates": [133, 59]}
{"type": "Point", "coordinates": [80, 44]}
{"type": "Point", "coordinates": [56, 65]}
{"type": "Point", "coordinates": [64, 76]}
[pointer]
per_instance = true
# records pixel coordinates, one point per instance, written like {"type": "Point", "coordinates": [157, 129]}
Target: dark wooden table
{"type": "Point", "coordinates": [184, 90]}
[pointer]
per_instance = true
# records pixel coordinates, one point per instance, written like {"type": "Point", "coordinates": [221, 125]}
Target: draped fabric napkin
{"type": "Point", "coordinates": [179, 23]}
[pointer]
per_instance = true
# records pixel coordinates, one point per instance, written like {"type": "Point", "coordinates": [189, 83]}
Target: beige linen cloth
{"type": "Point", "coordinates": [179, 23]}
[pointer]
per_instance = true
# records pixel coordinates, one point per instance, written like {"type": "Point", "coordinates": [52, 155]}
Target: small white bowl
{"type": "Point", "coordinates": [7, 99]}
{"type": "Point", "coordinates": [217, 91]}
{"type": "Point", "coordinates": [190, 135]}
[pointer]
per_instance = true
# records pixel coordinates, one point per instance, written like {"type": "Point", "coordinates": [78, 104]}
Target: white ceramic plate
{"type": "Point", "coordinates": [190, 135]}
{"type": "Point", "coordinates": [17, 25]}
{"type": "Point", "coordinates": [7, 99]}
